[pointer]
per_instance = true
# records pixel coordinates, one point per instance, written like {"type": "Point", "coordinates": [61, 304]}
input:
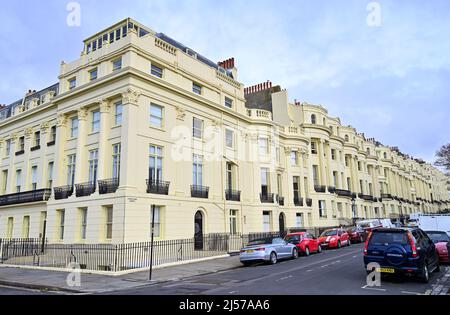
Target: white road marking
{"type": "Point", "coordinates": [285, 278]}
{"type": "Point", "coordinates": [310, 270]}
{"type": "Point", "coordinates": [324, 266]}
{"type": "Point", "coordinates": [366, 287]}
{"type": "Point", "coordinates": [414, 293]}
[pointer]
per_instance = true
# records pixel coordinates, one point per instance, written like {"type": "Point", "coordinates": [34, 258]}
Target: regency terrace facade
{"type": "Point", "coordinates": [140, 120]}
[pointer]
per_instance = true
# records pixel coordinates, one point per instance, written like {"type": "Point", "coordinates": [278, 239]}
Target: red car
{"type": "Point", "coordinates": [305, 242]}
{"type": "Point", "coordinates": [357, 235]}
{"type": "Point", "coordinates": [441, 240]}
{"type": "Point", "coordinates": [334, 238]}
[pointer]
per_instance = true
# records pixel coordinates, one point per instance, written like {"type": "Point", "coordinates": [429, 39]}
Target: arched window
{"type": "Point", "coordinates": [347, 139]}
{"type": "Point", "coordinates": [385, 155]}
{"type": "Point", "coordinates": [313, 119]}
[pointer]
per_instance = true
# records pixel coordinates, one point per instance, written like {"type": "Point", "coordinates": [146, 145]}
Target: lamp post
{"type": "Point", "coordinates": [151, 243]}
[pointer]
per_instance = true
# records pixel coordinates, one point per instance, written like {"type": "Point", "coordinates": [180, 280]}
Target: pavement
{"type": "Point", "coordinates": [54, 281]}
{"type": "Point", "coordinates": [334, 272]}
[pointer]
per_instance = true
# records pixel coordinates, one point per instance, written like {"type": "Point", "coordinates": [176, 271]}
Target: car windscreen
{"type": "Point", "coordinates": [389, 238]}
{"type": "Point", "coordinates": [438, 237]}
{"type": "Point", "coordinates": [292, 238]}
{"type": "Point", "coordinates": [261, 241]}
{"type": "Point", "coordinates": [329, 233]}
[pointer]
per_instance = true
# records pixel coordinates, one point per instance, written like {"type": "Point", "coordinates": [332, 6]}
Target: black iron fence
{"type": "Point", "coordinates": [131, 256]}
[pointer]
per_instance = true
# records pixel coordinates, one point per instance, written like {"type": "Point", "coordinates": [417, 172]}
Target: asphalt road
{"type": "Point", "coordinates": [330, 273]}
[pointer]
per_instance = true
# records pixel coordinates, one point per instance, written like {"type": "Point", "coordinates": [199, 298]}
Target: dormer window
{"type": "Point", "coordinates": [93, 74]}
{"type": "Point", "coordinates": [117, 64]}
{"type": "Point", "coordinates": [197, 89]}
{"type": "Point", "coordinates": [157, 71]}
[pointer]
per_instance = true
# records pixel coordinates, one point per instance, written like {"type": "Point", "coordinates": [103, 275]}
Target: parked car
{"type": "Point", "coordinates": [268, 250]}
{"type": "Point", "coordinates": [403, 251]}
{"type": "Point", "coordinates": [369, 225]}
{"type": "Point", "coordinates": [334, 238]}
{"type": "Point", "coordinates": [357, 235]}
{"type": "Point", "coordinates": [306, 243]}
{"type": "Point", "coordinates": [441, 241]}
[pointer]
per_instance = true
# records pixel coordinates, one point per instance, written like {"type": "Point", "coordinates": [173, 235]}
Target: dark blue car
{"type": "Point", "coordinates": [403, 251]}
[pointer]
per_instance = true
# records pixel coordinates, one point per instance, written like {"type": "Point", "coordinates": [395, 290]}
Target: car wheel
{"type": "Point", "coordinates": [295, 253]}
{"type": "Point", "coordinates": [319, 249]}
{"type": "Point", "coordinates": [425, 275]}
{"type": "Point", "coordinates": [273, 258]}
{"type": "Point", "coordinates": [339, 244]}
{"type": "Point", "coordinates": [307, 252]}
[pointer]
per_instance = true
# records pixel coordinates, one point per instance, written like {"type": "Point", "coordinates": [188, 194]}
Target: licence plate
{"type": "Point", "coordinates": [386, 270]}
{"type": "Point", "coordinates": [250, 251]}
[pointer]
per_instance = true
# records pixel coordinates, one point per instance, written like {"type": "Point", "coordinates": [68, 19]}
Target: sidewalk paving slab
{"type": "Point", "coordinates": [94, 283]}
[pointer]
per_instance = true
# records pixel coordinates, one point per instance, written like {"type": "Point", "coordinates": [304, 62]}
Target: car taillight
{"type": "Point", "coordinates": [366, 245]}
{"type": "Point", "coordinates": [413, 245]}
{"type": "Point", "coordinates": [260, 249]}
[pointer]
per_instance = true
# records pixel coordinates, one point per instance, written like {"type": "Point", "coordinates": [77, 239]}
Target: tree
{"type": "Point", "coordinates": [443, 157]}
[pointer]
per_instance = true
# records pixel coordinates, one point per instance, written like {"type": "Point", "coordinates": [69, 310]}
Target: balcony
{"type": "Point", "coordinates": [63, 192]}
{"type": "Point", "coordinates": [365, 197]}
{"type": "Point", "coordinates": [343, 193]}
{"type": "Point", "coordinates": [21, 152]}
{"type": "Point", "coordinates": [35, 148]}
{"type": "Point", "coordinates": [281, 201]}
{"type": "Point", "coordinates": [331, 189]}
{"type": "Point", "coordinates": [51, 143]}
{"type": "Point", "coordinates": [386, 196]}
{"type": "Point", "coordinates": [85, 189]}
{"type": "Point", "coordinates": [199, 192]}
{"type": "Point", "coordinates": [298, 201]}
{"type": "Point", "coordinates": [158, 187]}
{"type": "Point", "coordinates": [25, 197]}
{"type": "Point", "coordinates": [108, 186]}
{"type": "Point", "coordinates": [309, 202]}
{"type": "Point", "coordinates": [232, 195]}
{"type": "Point", "coordinates": [267, 198]}
{"type": "Point", "coordinates": [320, 189]}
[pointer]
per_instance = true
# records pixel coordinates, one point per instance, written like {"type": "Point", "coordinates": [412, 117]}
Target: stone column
{"type": "Point", "coordinates": [43, 165]}
{"type": "Point", "coordinates": [26, 171]}
{"type": "Point", "coordinates": [130, 101]}
{"type": "Point", "coordinates": [12, 161]}
{"type": "Point", "coordinates": [303, 157]}
{"type": "Point", "coordinates": [81, 158]}
{"type": "Point", "coordinates": [60, 158]}
{"type": "Point", "coordinates": [105, 107]}
{"type": "Point", "coordinates": [330, 169]}
{"type": "Point", "coordinates": [323, 172]}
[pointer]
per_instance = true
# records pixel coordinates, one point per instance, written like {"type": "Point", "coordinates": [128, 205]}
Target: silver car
{"type": "Point", "coordinates": [268, 250]}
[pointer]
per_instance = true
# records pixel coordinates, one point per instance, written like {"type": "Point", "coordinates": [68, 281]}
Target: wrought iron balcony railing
{"type": "Point", "coordinates": [199, 192]}
{"type": "Point", "coordinates": [63, 192]}
{"type": "Point", "coordinates": [158, 187]}
{"type": "Point", "coordinates": [331, 189]}
{"type": "Point", "coordinates": [386, 196]}
{"type": "Point", "coordinates": [232, 195]}
{"type": "Point", "coordinates": [21, 152]}
{"type": "Point", "coordinates": [320, 189]}
{"type": "Point", "coordinates": [25, 197]}
{"type": "Point", "coordinates": [343, 193]}
{"type": "Point", "coordinates": [85, 189]}
{"type": "Point", "coordinates": [309, 202]}
{"type": "Point", "coordinates": [108, 186]}
{"type": "Point", "coordinates": [365, 197]}
{"type": "Point", "coordinates": [298, 201]}
{"type": "Point", "coordinates": [51, 143]}
{"type": "Point", "coordinates": [35, 148]}
{"type": "Point", "coordinates": [267, 198]}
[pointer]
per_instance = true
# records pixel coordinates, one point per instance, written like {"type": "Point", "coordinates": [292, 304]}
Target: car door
{"type": "Point", "coordinates": [314, 244]}
{"type": "Point", "coordinates": [281, 247]}
{"type": "Point", "coordinates": [432, 256]}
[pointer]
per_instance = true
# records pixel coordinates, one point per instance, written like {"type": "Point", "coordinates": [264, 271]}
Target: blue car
{"type": "Point", "coordinates": [402, 251]}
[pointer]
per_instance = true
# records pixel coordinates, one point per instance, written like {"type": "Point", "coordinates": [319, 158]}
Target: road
{"type": "Point", "coordinates": [332, 272]}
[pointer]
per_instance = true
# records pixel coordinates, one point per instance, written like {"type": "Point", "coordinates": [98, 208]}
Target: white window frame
{"type": "Point", "coordinates": [155, 120]}
{"type": "Point", "coordinates": [95, 121]}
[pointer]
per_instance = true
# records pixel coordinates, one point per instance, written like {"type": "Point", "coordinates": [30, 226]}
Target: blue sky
{"type": "Point", "coordinates": [390, 82]}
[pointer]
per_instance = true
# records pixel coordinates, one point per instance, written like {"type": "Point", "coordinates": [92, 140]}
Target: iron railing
{"type": "Point", "coordinates": [320, 189]}
{"type": "Point", "coordinates": [232, 195]}
{"type": "Point", "coordinates": [63, 192]}
{"type": "Point", "coordinates": [309, 202]}
{"type": "Point", "coordinates": [199, 192]}
{"type": "Point", "coordinates": [25, 197]}
{"type": "Point", "coordinates": [298, 201]}
{"type": "Point", "coordinates": [85, 189]}
{"type": "Point", "coordinates": [331, 189]}
{"type": "Point", "coordinates": [51, 143]}
{"type": "Point", "coordinates": [108, 186]}
{"type": "Point", "coordinates": [158, 187]}
{"type": "Point", "coordinates": [35, 148]}
{"type": "Point", "coordinates": [267, 198]}
{"type": "Point", "coordinates": [343, 193]}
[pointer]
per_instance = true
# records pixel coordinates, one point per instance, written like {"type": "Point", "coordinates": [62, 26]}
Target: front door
{"type": "Point", "coordinates": [198, 238]}
{"type": "Point", "coordinates": [282, 225]}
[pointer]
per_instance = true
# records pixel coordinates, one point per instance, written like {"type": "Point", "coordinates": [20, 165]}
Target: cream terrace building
{"type": "Point", "coordinates": [140, 120]}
